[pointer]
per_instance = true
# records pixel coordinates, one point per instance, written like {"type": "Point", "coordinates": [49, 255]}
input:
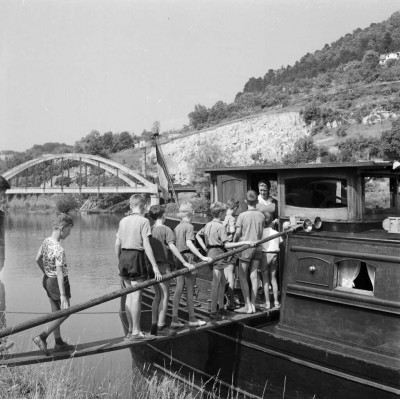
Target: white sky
{"type": "Point", "coordinates": [70, 66]}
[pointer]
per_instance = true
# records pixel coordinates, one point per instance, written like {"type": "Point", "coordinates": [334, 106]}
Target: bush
{"type": "Point", "coordinates": [356, 148]}
{"type": "Point", "coordinates": [305, 151]}
{"type": "Point", "coordinates": [391, 142]}
{"type": "Point", "coordinates": [66, 203]}
{"type": "Point", "coordinates": [341, 132]}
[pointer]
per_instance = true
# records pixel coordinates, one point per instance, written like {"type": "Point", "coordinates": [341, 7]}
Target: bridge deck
{"type": "Point", "coordinates": [77, 190]}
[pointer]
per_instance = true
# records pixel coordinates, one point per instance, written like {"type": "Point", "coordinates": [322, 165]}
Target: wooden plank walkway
{"type": "Point", "coordinates": [113, 344]}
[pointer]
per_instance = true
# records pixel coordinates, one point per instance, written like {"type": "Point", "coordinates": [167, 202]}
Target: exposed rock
{"type": "Point", "coordinates": [273, 135]}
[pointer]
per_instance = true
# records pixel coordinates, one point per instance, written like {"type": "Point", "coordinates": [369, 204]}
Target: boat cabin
{"type": "Point", "coordinates": [340, 284]}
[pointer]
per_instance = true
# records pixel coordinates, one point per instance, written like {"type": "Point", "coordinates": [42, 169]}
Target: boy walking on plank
{"type": "Point", "coordinates": [52, 262]}
{"type": "Point", "coordinates": [216, 243]}
{"type": "Point", "coordinates": [163, 244]}
{"type": "Point", "coordinates": [249, 227]}
{"type": "Point", "coordinates": [131, 246]}
{"type": "Point", "coordinates": [184, 234]}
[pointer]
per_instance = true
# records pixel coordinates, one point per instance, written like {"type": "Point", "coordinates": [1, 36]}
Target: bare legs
{"type": "Point", "coordinates": [133, 307]}
{"type": "Point", "coordinates": [54, 327]}
{"type": "Point", "coordinates": [243, 270]}
{"type": "Point", "coordinates": [254, 282]}
{"type": "Point", "coordinates": [265, 278]}
{"type": "Point", "coordinates": [274, 283]}
{"type": "Point", "coordinates": [230, 277]}
{"type": "Point", "coordinates": [217, 290]}
{"type": "Point", "coordinates": [270, 266]}
{"type": "Point", "coordinates": [249, 305]}
{"type": "Point", "coordinates": [189, 280]}
{"type": "Point", "coordinates": [160, 304]}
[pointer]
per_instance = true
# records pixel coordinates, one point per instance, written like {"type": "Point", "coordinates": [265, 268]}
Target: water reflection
{"type": "Point", "coordinates": [93, 271]}
{"type": "Point", "coordinates": [5, 343]}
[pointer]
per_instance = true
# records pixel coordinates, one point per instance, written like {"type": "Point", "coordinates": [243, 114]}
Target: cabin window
{"type": "Point", "coordinates": [379, 196]}
{"type": "Point", "coordinates": [355, 274]}
{"type": "Point", "coordinates": [316, 192]}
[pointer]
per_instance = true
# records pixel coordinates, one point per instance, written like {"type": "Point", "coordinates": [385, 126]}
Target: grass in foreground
{"type": "Point", "coordinates": [62, 381]}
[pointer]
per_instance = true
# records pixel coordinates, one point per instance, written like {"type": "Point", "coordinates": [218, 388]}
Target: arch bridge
{"type": "Point", "coordinates": [76, 173]}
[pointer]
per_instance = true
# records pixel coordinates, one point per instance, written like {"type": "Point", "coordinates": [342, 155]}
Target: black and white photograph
{"type": "Point", "coordinates": [199, 199]}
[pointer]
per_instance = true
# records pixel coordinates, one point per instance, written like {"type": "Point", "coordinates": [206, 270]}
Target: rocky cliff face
{"type": "Point", "coordinates": [269, 135]}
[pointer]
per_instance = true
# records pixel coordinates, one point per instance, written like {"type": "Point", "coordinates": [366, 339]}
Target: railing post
{"type": "Point", "coordinates": [62, 175]}
{"type": "Point", "coordinates": [51, 173]}
{"type": "Point", "coordinates": [80, 175]}
{"type": "Point", "coordinates": [117, 179]}
{"type": "Point", "coordinates": [98, 178]}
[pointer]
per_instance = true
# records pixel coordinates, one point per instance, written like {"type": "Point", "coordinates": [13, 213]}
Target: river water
{"type": "Point", "coordinates": [93, 272]}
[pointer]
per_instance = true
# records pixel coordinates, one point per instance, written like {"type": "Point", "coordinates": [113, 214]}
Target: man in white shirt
{"type": "Point", "coordinates": [266, 203]}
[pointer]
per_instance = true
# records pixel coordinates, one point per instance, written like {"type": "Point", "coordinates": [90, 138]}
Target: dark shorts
{"type": "Point", "coordinates": [50, 284]}
{"type": "Point", "coordinates": [165, 268]}
{"type": "Point", "coordinates": [251, 254]}
{"type": "Point", "coordinates": [188, 256]}
{"type": "Point", "coordinates": [219, 264]}
{"type": "Point", "coordinates": [269, 262]}
{"type": "Point", "coordinates": [132, 265]}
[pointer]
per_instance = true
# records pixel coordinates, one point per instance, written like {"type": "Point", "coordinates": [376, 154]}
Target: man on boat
{"type": "Point", "coordinates": [266, 203]}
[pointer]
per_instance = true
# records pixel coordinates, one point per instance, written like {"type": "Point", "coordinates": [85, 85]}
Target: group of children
{"type": "Point", "coordinates": [144, 251]}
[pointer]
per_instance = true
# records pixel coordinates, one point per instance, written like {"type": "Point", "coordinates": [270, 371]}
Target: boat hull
{"type": "Point", "coordinates": [253, 359]}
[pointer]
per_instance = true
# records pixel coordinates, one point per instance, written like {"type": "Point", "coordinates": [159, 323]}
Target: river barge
{"type": "Point", "coordinates": [337, 332]}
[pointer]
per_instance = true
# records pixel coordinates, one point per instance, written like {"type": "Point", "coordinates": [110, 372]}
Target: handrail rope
{"type": "Point", "coordinates": [117, 294]}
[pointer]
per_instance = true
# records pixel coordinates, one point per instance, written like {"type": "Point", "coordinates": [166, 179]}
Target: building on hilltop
{"type": "Point", "coordinates": [383, 58]}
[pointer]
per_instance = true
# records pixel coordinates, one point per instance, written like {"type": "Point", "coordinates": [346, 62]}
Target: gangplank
{"type": "Point", "coordinates": [114, 344]}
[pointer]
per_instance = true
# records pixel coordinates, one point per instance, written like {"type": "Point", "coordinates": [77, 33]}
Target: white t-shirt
{"type": "Point", "coordinates": [273, 245]}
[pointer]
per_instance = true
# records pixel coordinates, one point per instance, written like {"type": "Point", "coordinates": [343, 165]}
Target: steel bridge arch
{"type": "Point", "coordinates": [106, 164]}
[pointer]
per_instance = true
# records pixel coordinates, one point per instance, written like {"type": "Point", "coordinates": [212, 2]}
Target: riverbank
{"type": "Point", "coordinates": [66, 203]}
{"type": "Point", "coordinates": [63, 381]}
{"type": "Point", "coordinates": [95, 204]}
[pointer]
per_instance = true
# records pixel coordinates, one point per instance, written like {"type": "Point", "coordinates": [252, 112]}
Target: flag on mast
{"type": "Point", "coordinates": [162, 173]}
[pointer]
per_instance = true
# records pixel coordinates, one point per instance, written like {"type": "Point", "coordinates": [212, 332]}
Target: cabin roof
{"type": "Point", "coordinates": [370, 165]}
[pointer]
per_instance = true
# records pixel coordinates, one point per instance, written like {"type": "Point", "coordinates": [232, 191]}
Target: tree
{"type": "Point", "coordinates": [91, 144]}
{"type": "Point", "coordinates": [356, 148]}
{"type": "Point", "coordinates": [305, 151]}
{"type": "Point", "coordinates": [390, 142]}
{"type": "Point", "coordinates": [107, 140]}
{"type": "Point", "coordinates": [386, 42]}
{"type": "Point", "coordinates": [311, 113]}
{"type": "Point", "coordinates": [371, 59]}
{"type": "Point", "coordinates": [199, 117]}
{"type": "Point", "coordinates": [218, 112]}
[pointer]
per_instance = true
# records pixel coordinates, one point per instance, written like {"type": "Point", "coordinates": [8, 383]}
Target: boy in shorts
{"type": "Point", "coordinates": [52, 262]}
{"type": "Point", "coordinates": [216, 243]}
{"type": "Point", "coordinates": [249, 227]}
{"type": "Point", "coordinates": [162, 242]}
{"type": "Point", "coordinates": [229, 271]}
{"type": "Point", "coordinates": [269, 263]}
{"type": "Point", "coordinates": [184, 234]}
{"type": "Point", "coordinates": [133, 242]}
